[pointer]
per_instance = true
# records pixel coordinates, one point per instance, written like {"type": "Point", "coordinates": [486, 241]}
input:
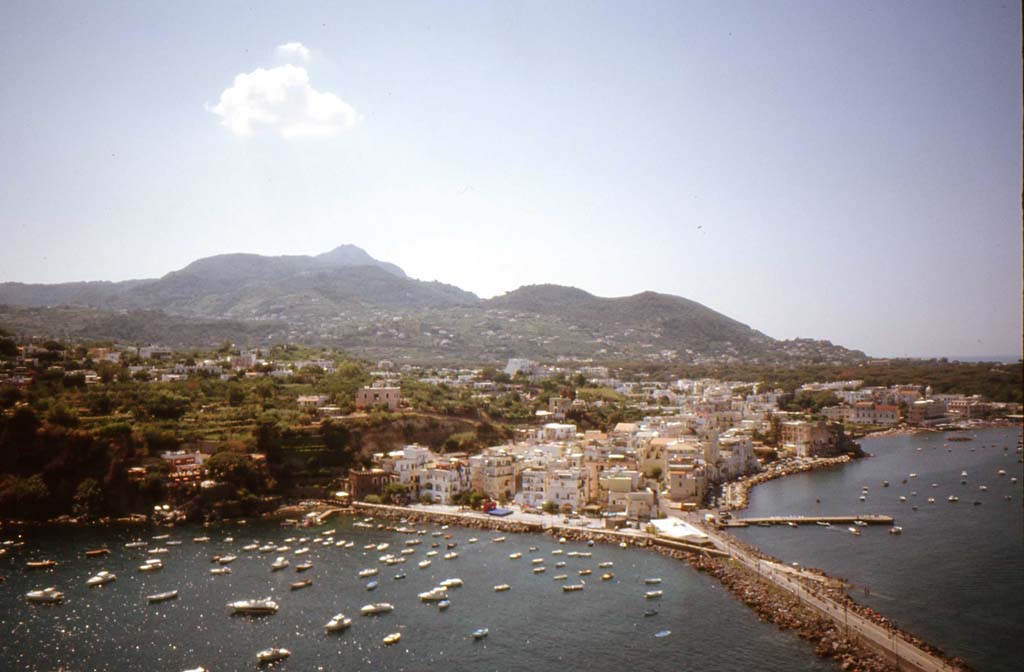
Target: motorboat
{"type": "Point", "coordinates": [451, 555]}
{"type": "Point", "coordinates": [377, 609]}
{"type": "Point", "coordinates": [895, 529]}
{"type": "Point", "coordinates": [162, 597]}
{"type": "Point", "coordinates": [902, 498]}
{"type": "Point", "coordinates": [306, 566]}
{"type": "Point", "coordinates": [652, 581]}
{"type": "Point", "coordinates": [431, 554]}
{"type": "Point", "coordinates": [161, 537]}
{"type": "Point", "coordinates": [607, 576]}
{"type": "Point", "coordinates": [434, 594]}
{"type": "Point", "coordinates": [824, 523]}
{"type": "Point", "coordinates": [502, 587]}
{"type": "Point", "coordinates": [585, 572]}
{"type": "Point", "coordinates": [302, 551]}
{"type": "Point", "coordinates": [368, 572]}
{"type": "Point", "coordinates": [338, 623]}
{"type": "Point", "coordinates": [572, 587]}
{"type": "Point", "coordinates": [298, 585]}
{"type": "Point", "coordinates": [653, 594]}
{"type": "Point", "coordinates": [41, 564]}
{"type": "Point", "coordinates": [279, 564]}
{"type": "Point", "coordinates": [157, 551]}
{"type": "Point", "coordinates": [151, 565]}
{"type": "Point", "coordinates": [561, 577]}
{"type": "Point", "coordinates": [560, 563]}
{"type": "Point", "coordinates": [472, 540]}
{"type": "Point", "coordinates": [444, 604]}
{"type": "Point", "coordinates": [392, 638]}
{"type": "Point", "coordinates": [267, 548]}
{"type": "Point", "coordinates": [97, 552]}
{"type": "Point", "coordinates": [220, 571]}
{"type": "Point", "coordinates": [860, 523]}
{"type": "Point", "coordinates": [480, 633]}
{"type": "Point", "coordinates": [372, 585]}
{"type": "Point", "coordinates": [174, 543]}
{"type": "Point", "coordinates": [931, 500]}
{"type": "Point", "coordinates": [227, 559]}
{"type": "Point", "coordinates": [539, 570]}
{"type": "Point", "coordinates": [537, 561]}
{"type": "Point", "coordinates": [451, 583]}
{"type": "Point", "coordinates": [136, 544]}
{"type": "Point", "coordinates": [257, 607]}
{"type": "Point", "coordinates": [603, 565]}
{"type": "Point", "coordinates": [498, 540]}
{"type": "Point", "coordinates": [200, 540]}
{"type": "Point", "coordinates": [101, 578]}
{"type": "Point", "coordinates": [399, 576]}
{"type": "Point", "coordinates": [953, 498]}
{"type": "Point", "coordinates": [250, 547]}
{"type": "Point", "coordinates": [423, 564]}
{"type": "Point", "coordinates": [854, 531]}
{"type": "Point", "coordinates": [557, 551]}
{"type": "Point", "coordinates": [515, 556]}
{"type": "Point", "coordinates": [45, 596]}
{"type": "Point", "coordinates": [272, 655]}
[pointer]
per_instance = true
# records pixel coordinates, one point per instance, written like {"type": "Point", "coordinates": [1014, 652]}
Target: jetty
{"type": "Point", "coordinates": [869, 518]}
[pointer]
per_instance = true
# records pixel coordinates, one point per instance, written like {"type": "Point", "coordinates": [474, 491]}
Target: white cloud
{"type": "Point", "coordinates": [282, 100]}
{"type": "Point", "coordinates": [293, 51]}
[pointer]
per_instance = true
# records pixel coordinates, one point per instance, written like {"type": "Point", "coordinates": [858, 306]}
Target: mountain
{"type": "Point", "coordinates": [348, 299]}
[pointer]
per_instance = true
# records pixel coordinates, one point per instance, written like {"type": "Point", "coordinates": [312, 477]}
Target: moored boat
{"type": "Point", "coordinates": [338, 623]}
{"type": "Point", "coordinates": [392, 638]}
{"type": "Point", "coordinates": [102, 578]}
{"type": "Point", "coordinates": [45, 596]}
{"type": "Point", "coordinates": [377, 608]}
{"type": "Point", "coordinates": [502, 587]}
{"type": "Point", "coordinates": [256, 607]}
{"type": "Point", "coordinates": [652, 594]}
{"type": "Point", "coordinates": [97, 552]}
{"type": "Point", "coordinates": [41, 564]}
{"type": "Point", "coordinates": [480, 633]}
{"type": "Point", "coordinates": [162, 597]}
{"type": "Point", "coordinates": [272, 655]}
{"type": "Point", "coordinates": [572, 587]}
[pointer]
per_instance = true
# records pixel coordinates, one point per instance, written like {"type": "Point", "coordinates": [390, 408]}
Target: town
{"type": "Point", "coordinates": [208, 432]}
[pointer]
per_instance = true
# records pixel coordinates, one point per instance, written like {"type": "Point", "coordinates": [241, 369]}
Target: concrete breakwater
{"type": "Point", "coordinates": [762, 592]}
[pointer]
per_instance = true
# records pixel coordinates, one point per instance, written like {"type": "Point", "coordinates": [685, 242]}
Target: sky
{"type": "Point", "coordinates": [841, 170]}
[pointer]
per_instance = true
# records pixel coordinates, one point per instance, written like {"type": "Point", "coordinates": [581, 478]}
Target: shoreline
{"type": "Point", "coordinates": [768, 599]}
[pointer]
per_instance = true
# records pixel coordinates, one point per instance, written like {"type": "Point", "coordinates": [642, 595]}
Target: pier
{"type": "Point", "coordinates": [869, 518]}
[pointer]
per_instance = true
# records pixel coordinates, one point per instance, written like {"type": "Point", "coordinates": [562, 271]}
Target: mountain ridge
{"type": "Point", "coordinates": [348, 298]}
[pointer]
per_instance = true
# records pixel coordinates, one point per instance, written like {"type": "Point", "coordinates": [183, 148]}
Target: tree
{"type": "Point", "coordinates": [62, 416]}
{"type": "Point", "coordinates": [550, 507]}
{"type": "Point", "coordinates": [236, 469]}
{"type": "Point", "coordinates": [88, 499]}
{"type": "Point", "coordinates": [396, 493]}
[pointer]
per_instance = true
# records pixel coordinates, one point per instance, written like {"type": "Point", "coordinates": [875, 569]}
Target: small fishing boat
{"type": "Point", "coordinates": [561, 577]}
{"type": "Point", "coordinates": [101, 579]}
{"type": "Point", "coordinates": [652, 581]}
{"type": "Point", "coordinates": [227, 559]}
{"type": "Point", "coordinates": [423, 564]}
{"type": "Point", "coordinates": [434, 594]}
{"type": "Point", "coordinates": [451, 583]}
{"type": "Point", "coordinates": [299, 585]}
{"type": "Point", "coordinates": [200, 540]}
{"type": "Point", "coordinates": [45, 596]}
{"type": "Point", "coordinates": [372, 585]}
{"type": "Point", "coordinates": [515, 556]}
{"type": "Point", "coordinates": [368, 572]}
{"type": "Point", "coordinates": [653, 594]}
{"type": "Point", "coordinates": [607, 576]}
{"type": "Point", "coordinates": [444, 604]}
{"type": "Point", "coordinates": [392, 638]}
{"type": "Point", "coordinates": [272, 655]}
{"type": "Point", "coordinates": [220, 571]}
{"type": "Point", "coordinates": [279, 564]}
{"type": "Point", "coordinates": [257, 607]}
{"type": "Point", "coordinates": [97, 552]}
{"type": "Point", "coordinates": [162, 597]}
{"type": "Point", "coordinates": [136, 544]}
{"type": "Point", "coordinates": [480, 633]}
{"type": "Point", "coordinates": [572, 587]}
{"type": "Point", "coordinates": [603, 565]}
{"type": "Point", "coordinates": [376, 609]}
{"type": "Point", "coordinates": [338, 623]}
{"type": "Point", "coordinates": [539, 570]}
{"type": "Point", "coordinates": [502, 587]}
{"type": "Point", "coordinates": [585, 572]}
{"type": "Point", "coordinates": [304, 567]}
{"type": "Point", "coordinates": [41, 564]}
{"type": "Point", "coordinates": [151, 565]}
{"type": "Point", "coordinates": [498, 540]}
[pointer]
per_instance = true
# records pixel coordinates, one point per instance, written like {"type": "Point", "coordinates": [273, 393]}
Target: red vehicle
{"type": "Point", "coordinates": [490, 505]}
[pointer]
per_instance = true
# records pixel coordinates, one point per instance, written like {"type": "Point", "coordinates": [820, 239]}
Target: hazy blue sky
{"type": "Point", "coordinates": [841, 170]}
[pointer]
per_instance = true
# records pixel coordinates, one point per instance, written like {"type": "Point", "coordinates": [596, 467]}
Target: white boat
{"type": "Point", "coordinates": [902, 498]}
{"type": "Point", "coordinates": [444, 604]}
{"type": "Point", "coordinates": [136, 544]}
{"type": "Point", "coordinates": [302, 551]}
{"type": "Point", "coordinates": [572, 587]}
{"type": "Point", "coordinates": [539, 570]}
{"type": "Point", "coordinates": [377, 608]}
{"type": "Point", "coordinates": [451, 555]}
{"type": "Point", "coordinates": [298, 585]}
{"type": "Point", "coordinates": [101, 578]}
{"type": "Point", "coordinates": [584, 572]}
{"type": "Point", "coordinates": [652, 594]}
{"type": "Point", "coordinates": [279, 564]}
{"type": "Point", "coordinates": [258, 607]}
{"type": "Point", "coordinates": [603, 565]}
{"type": "Point", "coordinates": [250, 547]}
{"type": "Point", "coordinates": [451, 583]}
{"type": "Point", "coordinates": [515, 556]}
{"type": "Point", "coordinates": [860, 523]}
{"type": "Point", "coordinates": [161, 537]}
{"type": "Point", "coordinates": [220, 571]}
{"type": "Point", "coordinates": [227, 559]}
{"type": "Point", "coordinates": [953, 498]}
{"type": "Point", "coordinates": [498, 540]}
{"type": "Point", "coordinates": [162, 597]}
{"type": "Point", "coordinates": [407, 551]}
{"type": "Point", "coordinates": [392, 638]}
{"type": "Point", "coordinates": [272, 655]}
{"type": "Point", "coordinates": [895, 529]}
{"type": "Point", "coordinates": [502, 587]}
{"type": "Point", "coordinates": [157, 551]}
{"type": "Point", "coordinates": [480, 633]}
{"type": "Point", "coordinates": [338, 623]}
{"type": "Point", "coordinates": [200, 540]}
{"type": "Point", "coordinates": [267, 548]}
{"type": "Point", "coordinates": [383, 546]}
{"type": "Point", "coordinates": [854, 531]}
{"type": "Point", "coordinates": [560, 563]}
{"type": "Point", "coordinates": [45, 596]}
{"type": "Point", "coordinates": [473, 540]}
{"type": "Point", "coordinates": [304, 567]}
{"type": "Point", "coordinates": [174, 543]}
{"type": "Point", "coordinates": [537, 561]}
{"type": "Point", "coordinates": [824, 523]}
{"type": "Point", "coordinates": [561, 577]}
{"type": "Point", "coordinates": [41, 564]}
{"type": "Point", "coordinates": [151, 565]}
{"type": "Point", "coordinates": [368, 572]}
{"type": "Point", "coordinates": [431, 554]}
{"type": "Point", "coordinates": [557, 551]}
{"type": "Point", "coordinates": [434, 594]}
{"type": "Point", "coordinates": [931, 500]}
{"type": "Point", "coordinates": [423, 564]}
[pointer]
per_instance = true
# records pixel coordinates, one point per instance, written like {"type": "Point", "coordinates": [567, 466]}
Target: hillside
{"type": "Point", "coordinates": [347, 299]}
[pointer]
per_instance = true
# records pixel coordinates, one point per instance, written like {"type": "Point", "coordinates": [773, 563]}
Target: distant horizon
{"type": "Point", "coordinates": [837, 171]}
